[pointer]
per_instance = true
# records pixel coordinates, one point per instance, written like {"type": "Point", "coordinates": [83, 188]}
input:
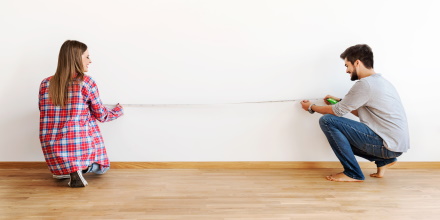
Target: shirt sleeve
{"type": "Point", "coordinates": [97, 109]}
{"type": "Point", "coordinates": [357, 97]}
{"type": "Point", "coordinates": [41, 93]}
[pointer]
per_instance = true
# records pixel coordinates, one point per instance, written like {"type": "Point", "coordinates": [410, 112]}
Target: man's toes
{"type": "Point", "coordinates": [375, 175]}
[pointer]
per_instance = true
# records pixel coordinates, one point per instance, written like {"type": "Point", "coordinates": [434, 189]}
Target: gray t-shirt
{"type": "Point", "coordinates": [380, 108]}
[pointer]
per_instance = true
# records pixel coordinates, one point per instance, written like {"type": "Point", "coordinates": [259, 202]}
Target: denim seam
{"type": "Point", "coordinates": [358, 131]}
{"type": "Point", "coordinates": [348, 125]}
{"type": "Point", "coordinates": [377, 137]}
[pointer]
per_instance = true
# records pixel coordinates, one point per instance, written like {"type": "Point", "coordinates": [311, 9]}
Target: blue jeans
{"type": "Point", "coordinates": [96, 168]}
{"type": "Point", "coordinates": [349, 138]}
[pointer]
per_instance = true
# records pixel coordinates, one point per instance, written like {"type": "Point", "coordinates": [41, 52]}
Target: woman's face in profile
{"type": "Point", "coordinates": [86, 60]}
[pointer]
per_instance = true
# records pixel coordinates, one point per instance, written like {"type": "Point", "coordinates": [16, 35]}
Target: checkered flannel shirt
{"type": "Point", "coordinates": [70, 137]}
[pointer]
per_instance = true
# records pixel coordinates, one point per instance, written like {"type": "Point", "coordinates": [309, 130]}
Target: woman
{"type": "Point", "coordinates": [69, 106]}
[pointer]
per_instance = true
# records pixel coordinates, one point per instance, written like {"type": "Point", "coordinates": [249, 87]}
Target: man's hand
{"type": "Point", "coordinates": [305, 104]}
{"type": "Point", "coordinates": [326, 109]}
{"type": "Point", "coordinates": [330, 96]}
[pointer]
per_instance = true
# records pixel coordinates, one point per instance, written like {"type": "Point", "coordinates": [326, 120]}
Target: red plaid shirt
{"type": "Point", "coordinates": [70, 137]}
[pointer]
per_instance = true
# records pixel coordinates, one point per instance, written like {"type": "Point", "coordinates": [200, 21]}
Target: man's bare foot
{"type": "Point", "coordinates": [341, 177]}
{"type": "Point", "coordinates": [381, 170]}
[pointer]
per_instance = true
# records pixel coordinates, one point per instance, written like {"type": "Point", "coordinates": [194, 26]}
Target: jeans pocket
{"type": "Point", "coordinates": [376, 151]}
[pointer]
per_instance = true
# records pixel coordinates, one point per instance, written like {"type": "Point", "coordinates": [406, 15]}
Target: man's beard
{"type": "Point", "coordinates": [354, 75]}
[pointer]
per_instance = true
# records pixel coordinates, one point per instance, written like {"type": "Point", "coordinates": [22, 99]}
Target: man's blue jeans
{"type": "Point", "coordinates": [349, 138]}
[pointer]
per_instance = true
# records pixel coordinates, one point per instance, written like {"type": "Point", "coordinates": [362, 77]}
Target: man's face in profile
{"type": "Point", "coordinates": [351, 70]}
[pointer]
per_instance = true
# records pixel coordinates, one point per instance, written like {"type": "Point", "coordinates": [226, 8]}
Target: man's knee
{"type": "Point", "coordinates": [325, 119]}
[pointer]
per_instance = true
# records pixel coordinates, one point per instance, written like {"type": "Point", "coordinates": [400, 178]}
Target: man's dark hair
{"type": "Point", "coordinates": [360, 52]}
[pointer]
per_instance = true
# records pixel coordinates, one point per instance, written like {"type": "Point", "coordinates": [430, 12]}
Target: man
{"type": "Point", "coordinates": [382, 133]}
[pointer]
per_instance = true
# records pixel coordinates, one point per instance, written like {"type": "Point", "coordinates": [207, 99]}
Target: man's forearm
{"type": "Point", "coordinates": [325, 109]}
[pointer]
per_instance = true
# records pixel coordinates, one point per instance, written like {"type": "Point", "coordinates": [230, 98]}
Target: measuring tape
{"type": "Point", "coordinates": [232, 103]}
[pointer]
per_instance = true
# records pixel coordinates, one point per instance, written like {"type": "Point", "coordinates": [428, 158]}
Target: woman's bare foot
{"type": "Point", "coordinates": [381, 170]}
{"type": "Point", "coordinates": [341, 177]}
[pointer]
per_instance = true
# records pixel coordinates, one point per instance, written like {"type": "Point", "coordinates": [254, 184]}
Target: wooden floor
{"type": "Point", "coordinates": [223, 194]}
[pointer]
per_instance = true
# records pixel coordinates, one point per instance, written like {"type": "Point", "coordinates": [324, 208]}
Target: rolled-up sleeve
{"type": "Point", "coordinates": [357, 97]}
{"type": "Point", "coordinates": [97, 108]}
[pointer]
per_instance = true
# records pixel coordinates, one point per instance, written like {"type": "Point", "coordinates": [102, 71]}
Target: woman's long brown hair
{"type": "Point", "coordinates": [70, 68]}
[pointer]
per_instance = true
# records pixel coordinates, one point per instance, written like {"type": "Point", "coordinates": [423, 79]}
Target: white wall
{"type": "Point", "coordinates": [211, 52]}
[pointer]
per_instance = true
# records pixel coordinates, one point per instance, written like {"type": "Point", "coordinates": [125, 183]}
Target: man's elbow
{"type": "Point", "coordinates": [330, 111]}
{"type": "Point", "coordinates": [355, 113]}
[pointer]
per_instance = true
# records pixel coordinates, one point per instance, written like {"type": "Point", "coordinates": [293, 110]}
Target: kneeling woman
{"type": "Point", "coordinates": [69, 106]}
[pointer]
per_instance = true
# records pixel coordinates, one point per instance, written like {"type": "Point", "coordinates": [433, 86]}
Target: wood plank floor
{"type": "Point", "coordinates": [220, 194]}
